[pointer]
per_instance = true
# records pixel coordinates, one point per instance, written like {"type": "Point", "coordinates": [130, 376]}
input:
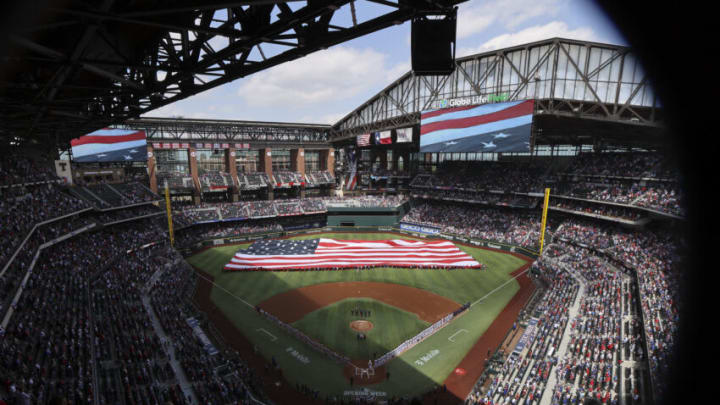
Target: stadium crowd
{"type": "Point", "coordinates": [591, 208]}
{"type": "Point", "coordinates": [645, 180]}
{"type": "Point", "coordinates": [81, 329]}
{"type": "Point", "coordinates": [23, 207]}
{"type": "Point", "coordinates": [282, 207]}
{"type": "Point", "coordinates": [500, 225]}
{"type": "Point", "coordinates": [46, 350]}
{"type": "Point", "coordinates": [16, 169]}
{"type": "Point", "coordinates": [222, 377]}
{"type": "Point", "coordinates": [627, 311]}
{"type": "Point", "coordinates": [590, 366]}
{"type": "Point", "coordinates": [213, 180]}
{"type": "Point", "coordinates": [484, 176]}
{"type": "Point", "coordinates": [521, 377]}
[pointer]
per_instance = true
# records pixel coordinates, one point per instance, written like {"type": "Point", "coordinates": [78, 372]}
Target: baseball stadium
{"type": "Point", "coordinates": [502, 226]}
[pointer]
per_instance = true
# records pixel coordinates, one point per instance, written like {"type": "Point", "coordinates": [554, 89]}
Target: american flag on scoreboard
{"type": "Point", "coordinates": [331, 253]}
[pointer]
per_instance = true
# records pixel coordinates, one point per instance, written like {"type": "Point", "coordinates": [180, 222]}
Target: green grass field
{"type": "Point", "coordinates": [236, 292]}
{"type": "Point", "coordinates": [392, 326]}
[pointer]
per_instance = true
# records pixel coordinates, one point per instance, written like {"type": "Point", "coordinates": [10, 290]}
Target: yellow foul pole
{"type": "Point", "coordinates": [169, 215]}
{"type": "Point", "coordinates": [544, 219]}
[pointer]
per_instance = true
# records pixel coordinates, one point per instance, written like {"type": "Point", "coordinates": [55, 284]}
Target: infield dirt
{"type": "Point", "coordinates": [291, 306]}
{"type": "Point", "coordinates": [361, 326]}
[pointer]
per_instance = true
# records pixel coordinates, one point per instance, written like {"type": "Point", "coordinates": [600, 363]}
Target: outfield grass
{"type": "Point", "coordinates": [410, 374]}
{"type": "Point", "coordinates": [331, 326]}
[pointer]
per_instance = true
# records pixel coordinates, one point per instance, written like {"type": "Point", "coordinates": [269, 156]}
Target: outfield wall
{"type": "Point", "coordinates": [361, 220]}
{"type": "Point", "coordinates": [471, 242]}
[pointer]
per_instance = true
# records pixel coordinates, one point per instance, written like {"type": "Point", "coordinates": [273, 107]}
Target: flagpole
{"type": "Point", "coordinates": [169, 215]}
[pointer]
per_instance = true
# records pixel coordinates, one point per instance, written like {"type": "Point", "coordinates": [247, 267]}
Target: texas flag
{"type": "Point", "coordinates": [110, 145]}
{"type": "Point", "coordinates": [385, 138]}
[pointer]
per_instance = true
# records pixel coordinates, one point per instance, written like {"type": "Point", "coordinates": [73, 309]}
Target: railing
{"type": "Point", "coordinates": [21, 287]}
{"type": "Point", "coordinates": [39, 224]}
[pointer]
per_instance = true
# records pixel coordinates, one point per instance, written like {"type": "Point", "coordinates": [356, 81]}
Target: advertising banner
{"type": "Point", "coordinates": [419, 228]}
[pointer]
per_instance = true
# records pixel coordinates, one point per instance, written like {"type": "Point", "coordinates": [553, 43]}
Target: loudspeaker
{"type": "Point", "coordinates": [433, 43]}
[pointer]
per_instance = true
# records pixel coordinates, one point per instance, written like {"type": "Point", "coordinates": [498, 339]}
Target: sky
{"type": "Point", "coordinates": [323, 87]}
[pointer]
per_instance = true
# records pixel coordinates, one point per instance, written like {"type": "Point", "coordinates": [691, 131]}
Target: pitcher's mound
{"type": "Point", "coordinates": [361, 326]}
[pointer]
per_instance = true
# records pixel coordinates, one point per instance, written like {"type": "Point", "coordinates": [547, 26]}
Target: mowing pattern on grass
{"type": "Point", "coordinates": [409, 376]}
{"type": "Point", "coordinates": [392, 326]}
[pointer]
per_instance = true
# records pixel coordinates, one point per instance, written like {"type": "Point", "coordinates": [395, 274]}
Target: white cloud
{"type": "Point", "coordinates": [532, 34]}
{"type": "Point", "coordinates": [475, 17]}
{"type": "Point", "coordinates": [329, 119]}
{"type": "Point", "coordinates": [472, 21]}
{"type": "Point", "coordinates": [170, 110]}
{"type": "Point", "coordinates": [321, 78]}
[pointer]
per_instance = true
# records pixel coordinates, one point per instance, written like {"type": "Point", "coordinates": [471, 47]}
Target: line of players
{"type": "Point", "coordinates": [360, 312]}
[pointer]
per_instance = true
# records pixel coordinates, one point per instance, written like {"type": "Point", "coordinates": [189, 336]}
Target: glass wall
{"type": "Point", "coordinates": [208, 161]}
{"type": "Point", "coordinates": [172, 161]}
{"type": "Point", "coordinates": [246, 161]}
{"type": "Point", "coordinates": [280, 160]}
{"type": "Point", "coordinates": [312, 160]}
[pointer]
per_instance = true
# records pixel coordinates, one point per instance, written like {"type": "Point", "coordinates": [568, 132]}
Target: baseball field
{"type": "Point", "coordinates": [383, 306]}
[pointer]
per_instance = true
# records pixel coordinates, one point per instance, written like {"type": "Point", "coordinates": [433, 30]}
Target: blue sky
{"type": "Point", "coordinates": [325, 86]}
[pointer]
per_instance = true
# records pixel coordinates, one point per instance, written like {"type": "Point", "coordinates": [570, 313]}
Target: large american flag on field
{"type": "Point", "coordinates": [331, 253]}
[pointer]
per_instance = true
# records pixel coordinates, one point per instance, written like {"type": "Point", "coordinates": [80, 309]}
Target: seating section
{"type": "Point", "coordinates": [645, 180]}
{"type": "Point", "coordinates": [254, 180]}
{"type": "Point", "coordinates": [107, 194]}
{"type": "Point", "coordinates": [501, 225]}
{"type": "Point", "coordinates": [115, 195]}
{"type": "Point", "coordinates": [603, 210]}
{"type": "Point", "coordinates": [289, 208]}
{"type": "Point", "coordinates": [317, 178]}
{"type": "Point", "coordinates": [367, 201]}
{"type": "Point", "coordinates": [101, 311]}
{"type": "Point", "coordinates": [312, 205]}
{"type": "Point", "coordinates": [23, 207]}
{"type": "Point", "coordinates": [175, 180]}
{"type": "Point", "coordinates": [214, 181]}
{"type": "Point", "coordinates": [225, 229]}
{"type": "Point", "coordinates": [51, 332]}
{"type": "Point", "coordinates": [524, 377]}
{"type": "Point", "coordinates": [590, 364]}
{"type": "Point", "coordinates": [477, 197]}
{"type": "Point", "coordinates": [16, 170]}
{"type": "Point", "coordinates": [618, 164]}
{"type": "Point", "coordinates": [261, 209]}
{"type": "Point", "coordinates": [616, 279]}
{"type": "Point", "coordinates": [477, 176]}
{"type": "Point", "coordinates": [222, 378]}
{"type": "Point", "coordinates": [135, 192]}
{"type": "Point", "coordinates": [288, 179]}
